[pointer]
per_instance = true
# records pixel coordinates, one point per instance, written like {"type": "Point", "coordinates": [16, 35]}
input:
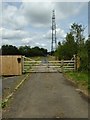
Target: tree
{"type": "Point", "coordinates": [75, 43]}
{"type": "Point", "coordinates": [30, 52]}
{"type": "Point", "coordinates": [25, 50]}
{"type": "Point", "coordinates": [78, 32]}
{"type": "Point", "coordinates": [9, 50]}
{"type": "Point", "coordinates": [68, 48]}
{"type": "Point", "coordinates": [71, 45]}
{"type": "Point", "coordinates": [87, 45]}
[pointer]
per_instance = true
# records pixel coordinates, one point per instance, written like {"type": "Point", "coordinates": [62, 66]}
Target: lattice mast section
{"type": "Point", "coordinates": [54, 41]}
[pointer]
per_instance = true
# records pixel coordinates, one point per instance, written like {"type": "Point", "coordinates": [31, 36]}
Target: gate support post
{"type": "Point", "coordinates": [62, 66]}
{"type": "Point", "coordinates": [74, 56]}
{"type": "Point", "coordinates": [75, 62]}
{"type": "Point", "coordinates": [22, 64]}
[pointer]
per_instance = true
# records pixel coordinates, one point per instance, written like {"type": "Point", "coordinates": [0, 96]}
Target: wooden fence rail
{"type": "Point", "coordinates": [63, 65]}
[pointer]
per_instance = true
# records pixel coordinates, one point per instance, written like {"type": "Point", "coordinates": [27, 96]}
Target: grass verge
{"type": "Point", "coordinates": [80, 79]}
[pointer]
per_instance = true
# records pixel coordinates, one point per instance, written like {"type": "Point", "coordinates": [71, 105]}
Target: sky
{"type": "Point", "coordinates": [29, 23]}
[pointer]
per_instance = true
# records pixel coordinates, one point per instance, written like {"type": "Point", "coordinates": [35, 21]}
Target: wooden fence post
{"type": "Point", "coordinates": [22, 64]}
{"type": "Point", "coordinates": [62, 65]}
{"type": "Point", "coordinates": [74, 62]}
{"type": "Point", "coordinates": [78, 62]}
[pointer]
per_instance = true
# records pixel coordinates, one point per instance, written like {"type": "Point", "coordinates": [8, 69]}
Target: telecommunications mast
{"type": "Point", "coordinates": [54, 41]}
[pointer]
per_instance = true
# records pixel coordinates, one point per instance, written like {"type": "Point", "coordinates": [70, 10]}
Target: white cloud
{"type": "Point", "coordinates": [37, 14]}
{"type": "Point", "coordinates": [12, 17]}
{"type": "Point", "coordinates": [1, 31]}
{"type": "Point", "coordinates": [41, 44]}
{"type": "Point", "coordinates": [26, 40]}
{"type": "Point", "coordinates": [5, 41]}
{"type": "Point", "coordinates": [0, 14]}
{"type": "Point", "coordinates": [13, 34]}
{"type": "Point", "coordinates": [53, 0]}
{"type": "Point", "coordinates": [59, 33]}
{"type": "Point", "coordinates": [68, 9]}
{"type": "Point", "coordinates": [28, 23]}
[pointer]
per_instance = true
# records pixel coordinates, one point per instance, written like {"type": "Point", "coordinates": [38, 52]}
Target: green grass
{"type": "Point", "coordinates": [37, 58]}
{"type": "Point", "coordinates": [81, 78]}
{"type": "Point", "coordinates": [51, 58]}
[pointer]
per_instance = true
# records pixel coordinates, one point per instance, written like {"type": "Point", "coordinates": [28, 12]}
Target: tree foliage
{"type": "Point", "coordinates": [75, 44]}
{"type": "Point", "coordinates": [68, 48]}
{"type": "Point", "coordinates": [9, 50]}
{"type": "Point", "coordinates": [23, 50]}
{"type": "Point", "coordinates": [77, 30]}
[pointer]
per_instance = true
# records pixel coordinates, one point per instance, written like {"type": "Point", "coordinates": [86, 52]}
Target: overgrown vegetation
{"type": "Point", "coordinates": [75, 44]}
